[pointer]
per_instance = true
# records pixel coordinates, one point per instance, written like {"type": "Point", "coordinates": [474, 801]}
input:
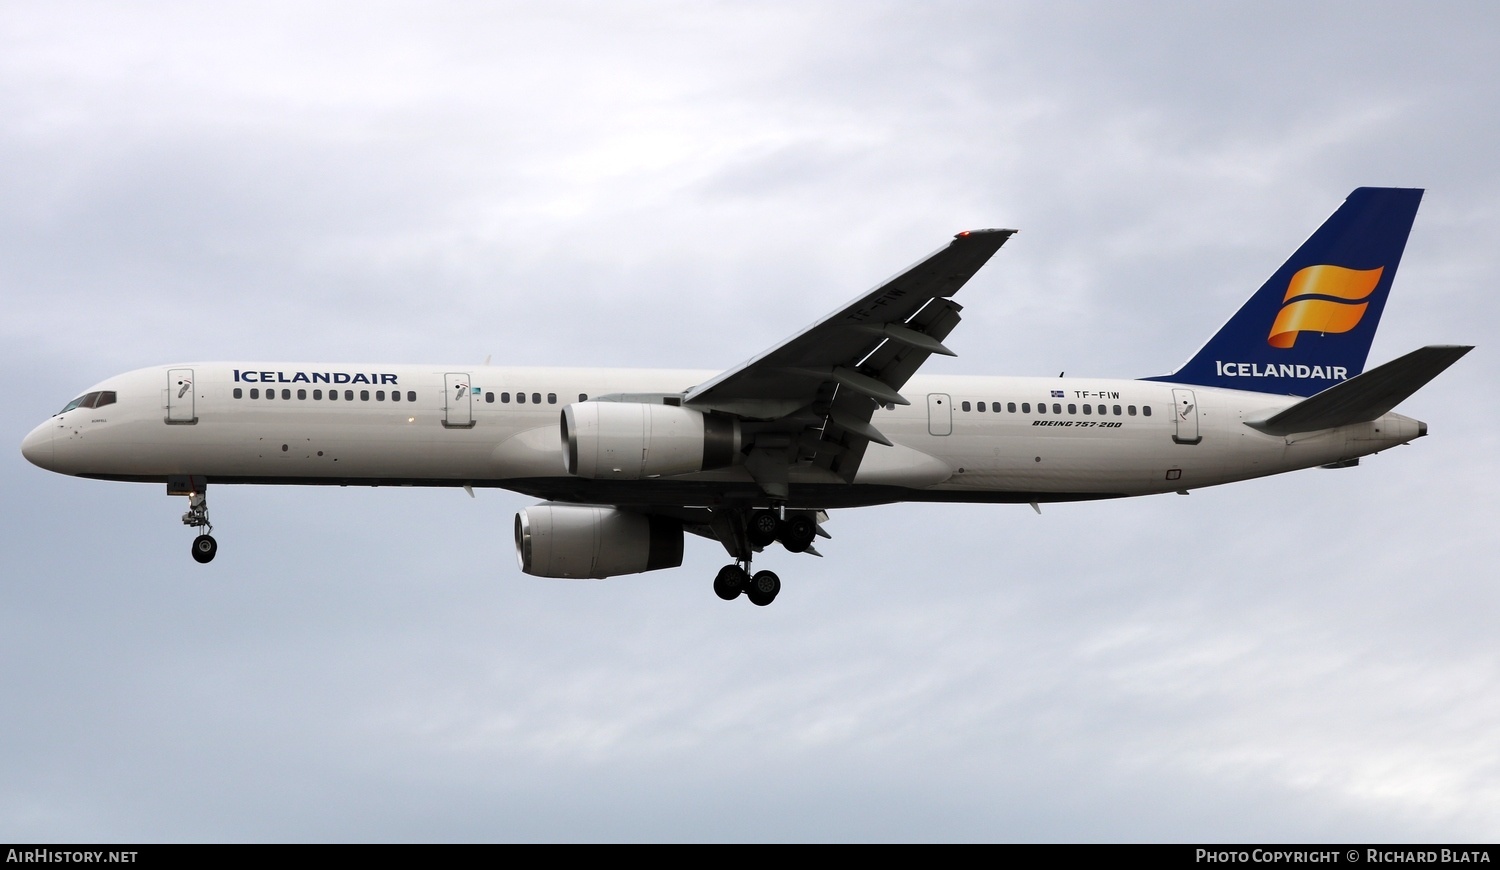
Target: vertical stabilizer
{"type": "Point", "coordinates": [1311, 325]}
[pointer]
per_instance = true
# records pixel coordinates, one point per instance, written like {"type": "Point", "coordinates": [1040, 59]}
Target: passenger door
{"type": "Point", "coordinates": [458, 401]}
{"type": "Point", "coordinates": [181, 397]}
{"type": "Point", "coordinates": [1186, 410]}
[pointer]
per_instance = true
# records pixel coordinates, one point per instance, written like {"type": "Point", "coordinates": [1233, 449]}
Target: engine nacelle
{"type": "Point", "coordinates": [630, 441]}
{"type": "Point", "coordinates": [582, 541]}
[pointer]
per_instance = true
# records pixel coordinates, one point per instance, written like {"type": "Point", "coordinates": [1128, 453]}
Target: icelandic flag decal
{"type": "Point", "coordinates": [1057, 394]}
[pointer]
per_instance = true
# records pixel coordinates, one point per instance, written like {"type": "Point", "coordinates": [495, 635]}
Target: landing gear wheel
{"type": "Point", "coordinates": [731, 581]}
{"type": "Point", "coordinates": [762, 528]}
{"type": "Point", "coordinates": [763, 588]}
{"type": "Point", "coordinates": [204, 548]}
{"type": "Point", "coordinates": [798, 532]}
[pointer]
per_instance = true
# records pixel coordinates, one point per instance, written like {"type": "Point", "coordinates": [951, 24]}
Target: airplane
{"type": "Point", "coordinates": [628, 462]}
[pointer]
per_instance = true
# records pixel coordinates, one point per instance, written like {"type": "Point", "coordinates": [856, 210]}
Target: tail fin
{"type": "Point", "coordinates": [1310, 326]}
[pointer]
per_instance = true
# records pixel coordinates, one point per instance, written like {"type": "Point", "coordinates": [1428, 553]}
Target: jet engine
{"type": "Point", "coordinates": [631, 441]}
{"type": "Point", "coordinates": [584, 541]}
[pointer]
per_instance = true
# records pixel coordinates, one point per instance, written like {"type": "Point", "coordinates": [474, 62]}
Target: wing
{"type": "Point", "coordinates": [811, 398]}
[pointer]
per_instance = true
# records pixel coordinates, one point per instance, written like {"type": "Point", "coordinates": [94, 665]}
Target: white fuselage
{"type": "Point", "coordinates": [465, 427]}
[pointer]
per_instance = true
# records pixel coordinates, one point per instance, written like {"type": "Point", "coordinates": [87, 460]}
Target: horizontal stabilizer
{"type": "Point", "coordinates": [1367, 396]}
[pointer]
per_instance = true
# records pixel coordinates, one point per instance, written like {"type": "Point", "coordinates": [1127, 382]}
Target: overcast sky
{"type": "Point", "coordinates": [1308, 657]}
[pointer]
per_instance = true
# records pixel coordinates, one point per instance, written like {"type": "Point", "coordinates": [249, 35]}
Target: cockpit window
{"type": "Point", "coordinates": [90, 400]}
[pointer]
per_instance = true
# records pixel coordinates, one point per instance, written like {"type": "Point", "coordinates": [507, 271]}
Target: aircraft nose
{"type": "Point", "coordinates": [37, 447]}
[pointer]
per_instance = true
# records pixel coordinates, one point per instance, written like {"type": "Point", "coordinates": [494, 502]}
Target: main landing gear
{"type": "Point", "coordinates": [761, 587]}
{"type": "Point", "coordinates": [755, 531]}
{"type": "Point", "coordinates": [204, 546]}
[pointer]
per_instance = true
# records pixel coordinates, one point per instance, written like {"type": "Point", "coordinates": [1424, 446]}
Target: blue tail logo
{"type": "Point", "coordinates": [1311, 324]}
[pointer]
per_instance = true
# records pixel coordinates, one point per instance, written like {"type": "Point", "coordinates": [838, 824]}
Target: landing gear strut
{"type": "Point", "coordinates": [204, 546]}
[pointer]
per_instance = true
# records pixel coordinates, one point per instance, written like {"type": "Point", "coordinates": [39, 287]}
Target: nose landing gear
{"type": "Point", "coordinates": [204, 546]}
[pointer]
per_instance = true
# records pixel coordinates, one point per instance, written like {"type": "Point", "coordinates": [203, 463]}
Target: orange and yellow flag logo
{"type": "Point", "coordinates": [1336, 306]}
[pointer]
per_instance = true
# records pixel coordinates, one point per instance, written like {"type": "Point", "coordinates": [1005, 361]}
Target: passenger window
{"type": "Point", "coordinates": [583, 397]}
{"type": "Point", "coordinates": [965, 406]}
{"type": "Point", "coordinates": [395, 395]}
{"type": "Point", "coordinates": [318, 395]}
{"type": "Point", "coordinates": [489, 398]}
{"type": "Point", "coordinates": [364, 395]}
{"type": "Point", "coordinates": [1146, 410]}
{"type": "Point", "coordinates": [1041, 407]}
{"type": "Point", "coordinates": [1130, 409]}
{"type": "Point", "coordinates": [333, 395]}
{"type": "Point", "coordinates": [239, 393]}
{"type": "Point", "coordinates": [411, 395]}
{"type": "Point", "coordinates": [286, 394]}
{"type": "Point", "coordinates": [348, 395]}
{"type": "Point", "coordinates": [552, 398]}
{"type": "Point", "coordinates": [981, 407]}
{"type": "Point", "coordinates": [380, 395]}
{"type": "Point", "coordinates": [1025, 407]}
{"type": "Point", "coordinates": [1072, 409]}
{"type": "Point", "coordinates": [1117, 410]}
{"type": "Point", "coordinates": [536, 398]}
{"type": "Point", "coordinates": [270, 394]}
{"type": "Point", "coordinates": [1056, 408]}
{"type": "Point", "coordinates": [505, 398]}
{"type": "Point", "coordinates": [1086, 409]}
{"type": "Point", "coordinates": [302, 394]}
{"type": "Point", "coordinates": [521, 398]}
{"type": "Point", "coordinates": [1011, 407]}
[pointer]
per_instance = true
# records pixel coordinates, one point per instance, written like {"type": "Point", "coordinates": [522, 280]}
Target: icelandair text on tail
{"type": "Point", "coordinates": [1280, 370]}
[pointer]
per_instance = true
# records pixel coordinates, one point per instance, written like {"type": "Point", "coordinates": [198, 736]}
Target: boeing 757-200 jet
{"type": "Point", "coordinates": [628, 461]}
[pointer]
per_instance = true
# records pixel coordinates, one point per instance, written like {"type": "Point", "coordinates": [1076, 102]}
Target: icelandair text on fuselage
{"type": "Point", "coordinates": [1333, 856]}
{"type": "Point", "coordinates": [313, 377]}
{"type": "Point", "coordinates": [1280, 370]}
{"type": "Point", "coordinates": [61, 856]}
